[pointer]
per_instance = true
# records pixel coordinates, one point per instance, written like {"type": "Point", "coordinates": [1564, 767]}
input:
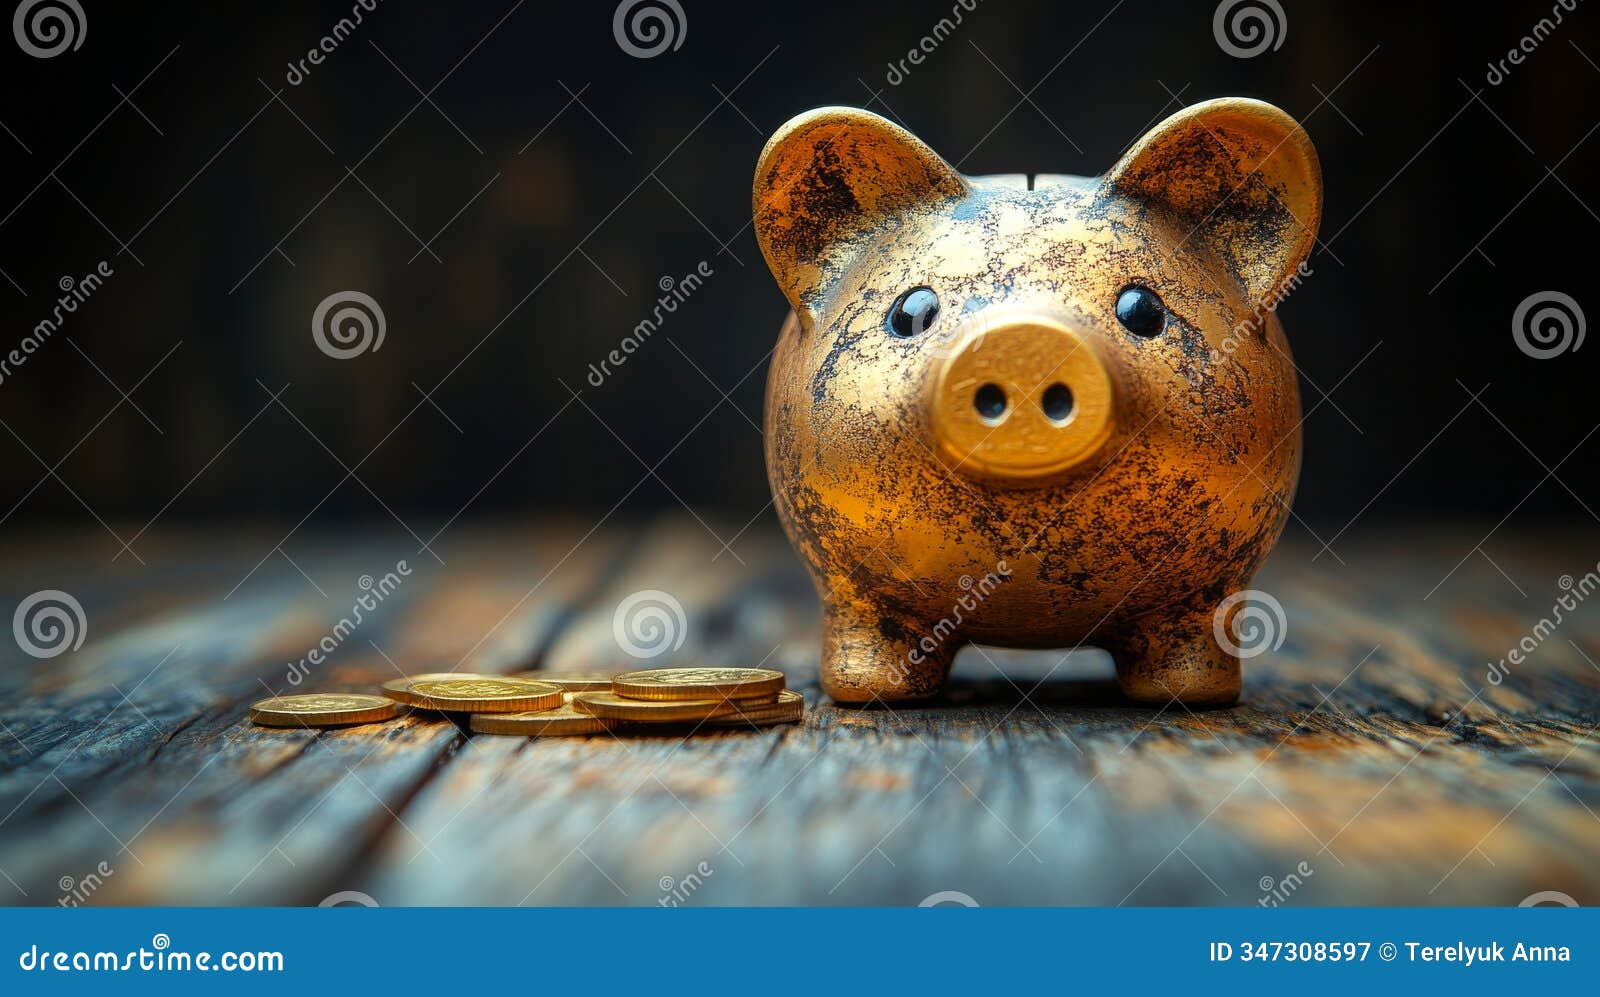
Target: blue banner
{"type": "Point", "coordinates": [171, 950]}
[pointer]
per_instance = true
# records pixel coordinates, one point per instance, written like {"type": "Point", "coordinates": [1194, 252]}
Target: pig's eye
{"type": "Point", "coordinates": [1141, 312]}
{"type": "Point", "coordinates": [913, 312]}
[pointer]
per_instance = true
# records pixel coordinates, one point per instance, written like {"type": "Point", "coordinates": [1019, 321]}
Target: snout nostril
{"type": "Point", "coordinates": [1057, 402]}
{"type": "Point", "coordinates": [990, 401]}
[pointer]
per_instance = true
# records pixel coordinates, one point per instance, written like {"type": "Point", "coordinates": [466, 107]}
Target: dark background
{"type": "Point", "coordinates": [1439, 209]}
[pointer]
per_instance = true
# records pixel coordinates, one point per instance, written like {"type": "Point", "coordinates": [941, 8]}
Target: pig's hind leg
{"type": "Point", "coordinates": [1170, 657]}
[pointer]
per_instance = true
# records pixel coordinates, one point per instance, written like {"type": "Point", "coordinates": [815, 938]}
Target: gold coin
{"type": "Point", "coordinates": [324, 709]}
{"type": "Point", "coordinates": [400, 689]}
{"type": "Point", "coordinates": [612, 706]}
{"type": "Point", "coordinates": [571, 681]}
{"type": "Point", "coordinates": [541, 723]}
{"type": "Point", "coordinates": [698, 683]}
{"type": "Point", "coordinates": [484, 694]}
{"type": "Point", "coordinates": [789, 708]}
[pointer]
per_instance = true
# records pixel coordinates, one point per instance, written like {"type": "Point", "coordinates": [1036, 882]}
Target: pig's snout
{"type": "Point", "coordinates": [1020, 396]}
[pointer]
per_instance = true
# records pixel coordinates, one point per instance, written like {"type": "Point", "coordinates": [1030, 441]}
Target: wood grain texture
{"type": "Point", "coordinates": [1372, 760]}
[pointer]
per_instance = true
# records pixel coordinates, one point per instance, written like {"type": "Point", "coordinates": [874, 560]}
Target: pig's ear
{"type": "Point", "coordinates": [830, 176]}
{"type": "Point", "coordinates": [1241, 177]}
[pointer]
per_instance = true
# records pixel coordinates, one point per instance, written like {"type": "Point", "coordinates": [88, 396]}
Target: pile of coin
{"type": "Point", "coordinates": [547, 703]}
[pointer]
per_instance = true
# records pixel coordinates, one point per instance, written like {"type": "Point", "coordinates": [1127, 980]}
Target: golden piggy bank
{"type": "Point", "coordinates": [1035, 414]}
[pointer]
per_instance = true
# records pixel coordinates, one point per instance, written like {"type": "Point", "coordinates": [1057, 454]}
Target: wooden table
{"type": "Point", "coordinates": [1372, 760]}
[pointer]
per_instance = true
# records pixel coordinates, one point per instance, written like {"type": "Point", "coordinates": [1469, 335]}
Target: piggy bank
{"type": "Point", "coordinates": [1038, 414]}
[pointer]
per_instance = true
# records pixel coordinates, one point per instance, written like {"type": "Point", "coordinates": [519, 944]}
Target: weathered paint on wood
{"type": "Point", "coordinates": [1372, 759]}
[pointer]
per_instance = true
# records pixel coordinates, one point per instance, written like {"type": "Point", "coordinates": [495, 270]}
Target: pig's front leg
{"type": "Point", "coordinates": [1175, 657]}
{"type": "Point", "coordinates": [872, 656]}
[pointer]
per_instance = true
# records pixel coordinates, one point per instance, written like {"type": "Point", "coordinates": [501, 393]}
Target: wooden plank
{"type": "Point", "coordinates": [1072, 796]}
{"type": "Point", "coordinates": [1374, 758]}
{"type": "Point", "coordinates": [188, 802]}
{"type": "Point", "coordinates": [515, 805]}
